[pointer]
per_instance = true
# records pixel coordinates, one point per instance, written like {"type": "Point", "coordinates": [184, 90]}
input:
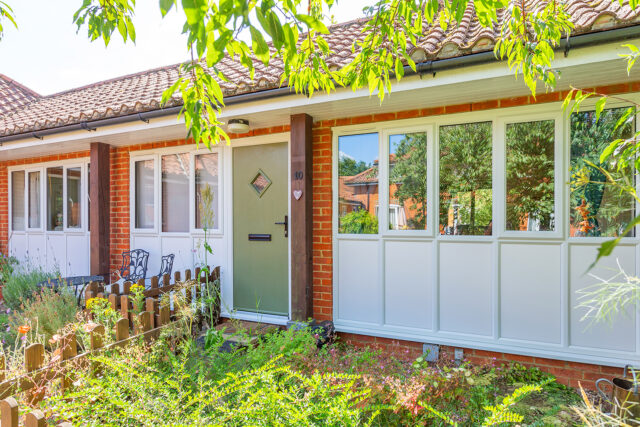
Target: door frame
{"type": "Point", "coordinates": [227, 285]}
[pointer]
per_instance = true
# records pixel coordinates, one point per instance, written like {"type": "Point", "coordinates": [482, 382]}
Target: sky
{"type": "Point", "coordinates": [46, 55]}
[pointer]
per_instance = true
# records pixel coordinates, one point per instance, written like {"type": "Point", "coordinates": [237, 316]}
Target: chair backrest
{"type": "Point", "coordinates": [166, 265]}
{"type": "Point", "coordinates": [134, 264]}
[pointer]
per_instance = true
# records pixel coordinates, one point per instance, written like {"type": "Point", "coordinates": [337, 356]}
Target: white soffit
{"type": "Point", "coordinates": [585, 67]}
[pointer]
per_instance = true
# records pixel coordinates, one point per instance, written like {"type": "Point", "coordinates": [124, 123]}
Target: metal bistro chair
{"type": "Point", "coordinates": [166, 265]}
{"type": "Point", "coordinates": [134, 265]}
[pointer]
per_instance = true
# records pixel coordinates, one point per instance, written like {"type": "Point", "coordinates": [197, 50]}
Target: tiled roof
{"type": "Point", "coordinates": [13, 95]}
{"type": "Point", "coordinates": [143, 91]}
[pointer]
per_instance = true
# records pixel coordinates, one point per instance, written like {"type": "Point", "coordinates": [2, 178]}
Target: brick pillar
{"type": "Point", "coordinates": [301, 217]}
{"type": "Point", "coordinates": [99, 212]}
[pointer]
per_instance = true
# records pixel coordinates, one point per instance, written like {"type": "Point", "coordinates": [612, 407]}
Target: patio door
{"type": "Point", "coordinates": [260, 229]}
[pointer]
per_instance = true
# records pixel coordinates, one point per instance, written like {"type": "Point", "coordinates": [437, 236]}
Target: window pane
{"type": "Point", "coordinates": [34, 199]}
{"type": "Point", "coordinates": [206, 207]}
{"type": "Point", "coordinates": [465, 179]}
{"type": "Point", "coordinates": [17, 201]}
{"type": "Point", "coordinates": [597, 207]}
{"type": "Point", "coordinates": [73, 197]}
{"type": "Point", "coordinates": [530, 176]}
{"type": "Point", "coordinates": [175, 193]}
{"type": "Point", "coordinates": [54, 199]}
{"type": "Point", "coordinates": [408, 181]}
{"type": "Point", "coordinates": [358, 184]}
{"type": "Point", "coordinates": [89, 196]}
{"type": "Point", "coordinates": [144, 194]}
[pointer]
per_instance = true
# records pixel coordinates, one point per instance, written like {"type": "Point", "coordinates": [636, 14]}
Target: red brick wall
{"type": "Point", "coordinates": [571, 374]}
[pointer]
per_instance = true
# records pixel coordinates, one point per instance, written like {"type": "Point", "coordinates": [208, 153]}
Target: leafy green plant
{"type": "Point", "coordinates": [21, 285]}
{"type": "Point", "coordinates": [141, 391]}
{"type": "Point", "coordinates": [359, 222]}
{"type": "Point", "coordinates": [47, 312]}
{"type": "Point", "coordinates": [7, 266]}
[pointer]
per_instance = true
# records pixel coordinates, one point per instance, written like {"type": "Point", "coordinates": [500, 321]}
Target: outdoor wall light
{"type": "Point", "coordinates": [238, 125]}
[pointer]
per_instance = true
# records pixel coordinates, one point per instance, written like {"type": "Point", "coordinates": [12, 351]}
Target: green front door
{"type": "Point", "coordinates": [260, 255]}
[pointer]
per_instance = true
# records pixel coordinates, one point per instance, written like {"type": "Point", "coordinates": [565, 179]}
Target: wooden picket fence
{"type": "Point", "coordinates": [149, 325]}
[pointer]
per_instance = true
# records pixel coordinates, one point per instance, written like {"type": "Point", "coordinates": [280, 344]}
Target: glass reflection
{"type": "Point", "coordinates": [408, 181]}
{"type": "Point", "coordinates": [358, 184]}
{"type": "Point", "coordinates": [465, 179]}
{"type": "Point", "coordinates": [530, 176]}
{"type": "Point", "coordinates": [598, 207]}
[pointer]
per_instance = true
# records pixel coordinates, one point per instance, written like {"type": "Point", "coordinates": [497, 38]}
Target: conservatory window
{"type": "Point", "coordinates": [530, 176]}
{"type": "Point", "coordinates": [54, 199]}
{"type": "Point", "coordinates": [17, 201]}
{"type": "Point", "coordinates": [175, 192]}
{"type": "Point", "coordinates": [358, 183]}
{"type": "Point", "coordinates": [74, 197]}
{"type": "Point", "coordinates": [144, 193]}
{"type": "Point", "coordinates": [597, 206]}
{"type": "Point", "coordinates": [466, 179]}
{"type": "Point", "coordinates": [34, 200]}
{"type": "Point", "coordinates": [408, 181]}
{"type": "Point", "coordinates": [207, 193]}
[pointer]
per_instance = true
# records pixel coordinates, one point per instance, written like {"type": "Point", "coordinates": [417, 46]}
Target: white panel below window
{"type": "Point", "coordinates": [466, 278]}
{"type": "Point", "coordinates": [409, 284]}
{"type": "Point", "coordinates": [530, 292]}
{"type": "Point", "coordinates": [78, 255]}
{"type": "Point", "coordinates": [359, 291]}
{"type": "Point", "coordinates": [618, 335]}
{"type": "Point", "coordinates": [57, 254]}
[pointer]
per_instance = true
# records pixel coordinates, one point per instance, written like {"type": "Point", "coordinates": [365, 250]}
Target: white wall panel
{"type": "Point", "coordinates": [18, 246]}
{"type": "Point", "coordinates": [37, 249]}
{"type": "Point", "coordinates": [359, 291]}
{"type": "Point", "coordinates": [408, 284]}
{"type": "Point", "coordinates": [621, 333]}
{"type": "Point", "coordinates": [56, 248]}
{"type": "Point", "coordinates": [466, 278]}
{"type": "Point", "coordinates": [78, 255]}
{"type": "Point", "coordinates": [180, 247]}
{"type": "Point", "coordinates": [530, 292]}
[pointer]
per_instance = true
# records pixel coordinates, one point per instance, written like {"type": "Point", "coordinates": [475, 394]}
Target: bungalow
{"type": "Point", "coordinates": [442, 217]}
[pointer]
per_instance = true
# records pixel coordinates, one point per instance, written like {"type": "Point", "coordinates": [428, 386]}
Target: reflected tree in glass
{"type": "Point", "coordinates": [597, 206]}
{"type": "Point", "coordinates": [530, 176]}
{"type": "Point", "coordinates": [408, 181]}
{"type": "Point", "coordinates": [358, 184]}
{"type": "Point", "coordinates": [465, 179]}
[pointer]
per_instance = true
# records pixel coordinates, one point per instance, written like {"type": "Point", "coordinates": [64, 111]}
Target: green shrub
{"type": "Point", "coordinates": [135, 390]}
{"type": "Point", "coordinates": [22, 283]}
{"type": "Point", "coordinates": [46, 312]}
{"type": "Point", "coordinates": [7, 265]}
{"type": "Point", "coordinates": [359, 222]}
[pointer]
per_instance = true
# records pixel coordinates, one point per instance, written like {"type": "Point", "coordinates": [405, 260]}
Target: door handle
{"type": "Point", "coordinates": [286, 225]}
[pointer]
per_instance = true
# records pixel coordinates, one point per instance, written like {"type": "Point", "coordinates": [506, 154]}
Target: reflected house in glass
{"type": "Point", "coordinates": [460, 212]}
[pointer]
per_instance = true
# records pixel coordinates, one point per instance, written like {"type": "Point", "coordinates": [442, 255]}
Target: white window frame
{"type": "Point", "coordinates": [24, 202]}
{"type": "Point", "coordinates": [132, 192]}
{"type": "Point", "coordinates": [42, 200]}
{"type": "Point", "coordinates": [156, 155]}
{"type": "Point", "coordinates": [589, 106]}
{"type": "Point", "coordinates": [192, 191]}
{"type": "Point", "coordinates": [83, 199]}
{"type": "Point", "coordinates": [385, 197]}
{"type": "Point", "coordinates": [42, 169]}
{"type": "Point", "coordinates": [499, 224]}
{"type": "Point", "coordinates": [348, 131]}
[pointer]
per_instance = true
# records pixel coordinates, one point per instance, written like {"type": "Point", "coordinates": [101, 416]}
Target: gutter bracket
{"type": "Point", "coordinates": [142, 119]}
{"type": "Point", "coordinates": [86, 127]}
{"type": "Point", "coordinates": [36, 136]}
